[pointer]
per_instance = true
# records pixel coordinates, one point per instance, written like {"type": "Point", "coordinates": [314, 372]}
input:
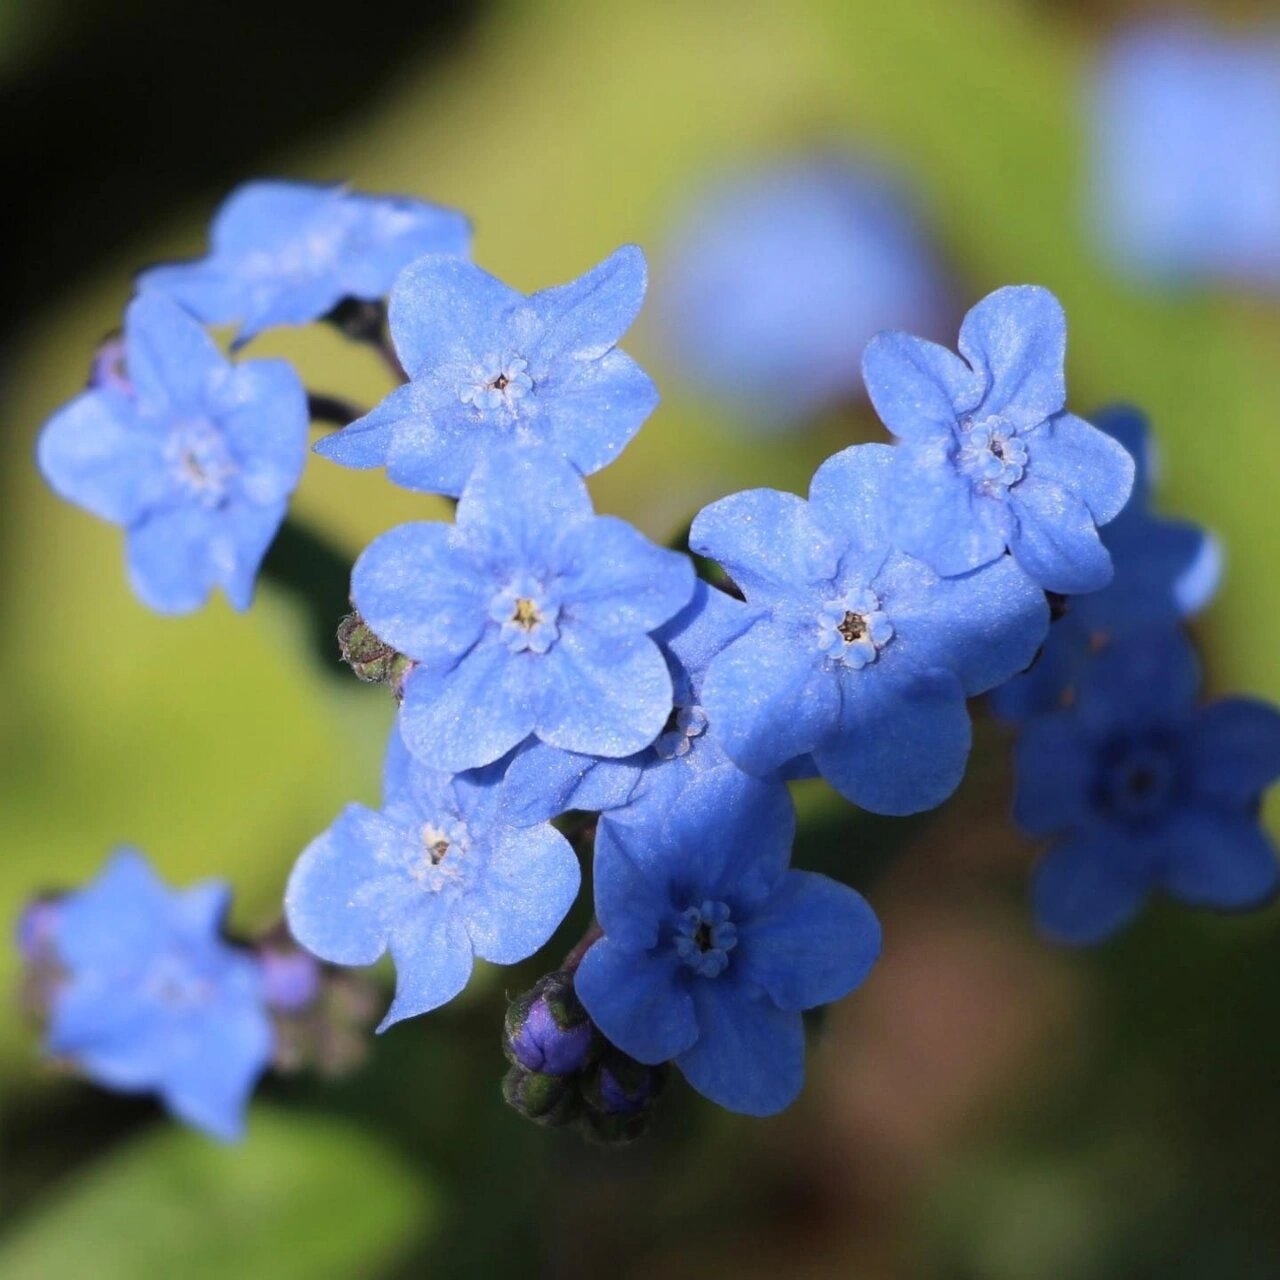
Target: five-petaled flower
{"type": "Point", "coordinates": [988, 459]}
{"type": "Point", "coordinates": [860, 654]}
{"type": "Point", "coordinates": [1165, 571]}
{"type": "Point", "coordinates": [436, 877]}
{"type": "Point", "coordinates": [528, 615]}
{"type": "Point", "coordinates": [286, 253]}
{"type": "Point", "coordinates": [490, 367]}
{"type": "Point", "coordinates": [713, 946]}
{"type": "Point", "coordinates": [194, 456]}
{"type": "Point", "coordinates": [150, 999]}
{"type": "Point", "coordinates": [1142, 789]}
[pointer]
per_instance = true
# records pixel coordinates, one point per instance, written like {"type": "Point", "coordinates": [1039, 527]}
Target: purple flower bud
{"type": "Point", "coordinates": [37, 927]}
{"type": "Point", "coordinates": [290, 979]}
{"type": "Point", "coordinates": [541, 1043]}
{"type": "Point", "coordinates": [108, 369]}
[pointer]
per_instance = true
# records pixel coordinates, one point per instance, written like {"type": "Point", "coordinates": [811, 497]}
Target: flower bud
{"type": "Point", "coordinates": [290, 978]}
{"type": "Point", "coordinates": [619, 1094]}
{"type": "Point", "coordinates": [547, 1029]}
{"type": "Point", "coordinates": [545, 1099]}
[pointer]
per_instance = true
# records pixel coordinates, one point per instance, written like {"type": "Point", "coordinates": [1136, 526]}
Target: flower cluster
{"type": "Point", "coordinates": [548, 660]}
{"type": "Point", "coordinates": [1139, 787]}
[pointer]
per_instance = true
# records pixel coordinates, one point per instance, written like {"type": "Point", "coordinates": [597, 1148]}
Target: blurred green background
{"type": "Point", "coordinates": [985, 1107]}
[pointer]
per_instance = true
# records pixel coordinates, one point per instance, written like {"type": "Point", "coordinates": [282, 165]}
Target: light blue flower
{"type": "Point", "coordinates": [193, 456]}
{"type": "Point", "coordinates": [436, 877]}
{"type": "Point", "coordinates": [1165, 570]}
{"type": "Point", "coordinates": [286, 253]}
{"type": "Point", "coordinates": [152, 1000]}
{"type": "Point", "coordinates": [712, 946]}
{"type": "Point", "coordinates": [863, 655]}
{"type": "Point", "coordinates": [779, 276]}
{"type": "Point", "coordinates": [1143, 790]}
{"type": "Point", "coordinates": [490, 367]}
{"type": "Point", "coordinates": [528, 615]}
{"type": "Point", "coordinates": [543, 781]}
{"type": "Point", "coordinates": [988, 458]}
{"type": "Point", "coordinates": [1185, 125]}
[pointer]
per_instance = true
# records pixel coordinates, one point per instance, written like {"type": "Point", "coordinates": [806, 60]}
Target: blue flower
{"type": "Point", "coordinates": [194, 457]}
{"type": "Point", "coordinates": [528, 615]}
{"type": "Point", "coordinates": [1185, 134]}
{"type": "Point", "coordinates": [153, 1000]}
{"type": "Point", "coordinates": [988, 459]}
{"type": "Point", "coordinates": [436, 877]}
{"type": "Point", "coordinates": [543, 781]}
{"type": "Point", "coordinates": [490, 367]}
{"type": "Point", "coordinates": [779, 276]}
{"type": "Point", "coordinates": [712, 947]}
{"type": "Point", "coordinates": [1141, 789]}
{"type": "Point", "coordinates": [289, 252]}
{"type": "Point", "coordinates": [1165, 570]}
{"type": "Point", "coordinates": [863, 655]}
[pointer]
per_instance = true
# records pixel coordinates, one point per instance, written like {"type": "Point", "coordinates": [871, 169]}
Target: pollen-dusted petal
{"type": "Point", "coordinates": [1055, 540]}
{"type": "Point", "coordinates": [1070, 452]}
{"type": "Point", "coordinates": [583, 319]}
{"type": "Point", "coordinates": [918, 388]}
{"type": "Point", "coordinates": [433, 959]}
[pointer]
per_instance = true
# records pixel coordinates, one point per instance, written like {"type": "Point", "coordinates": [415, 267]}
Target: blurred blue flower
{"type": "Point", "coordinates": [1186, 130]}
{"type": "Point", "coordinates": [988, 459]}
{"type": "Point", "coordinates": [862, 656]}
{"type": "Point", "coordinates": [529, 614]}
{"type": "Point", "coordinates": [779, 276]}
{"type": "Point", "coordinates": [151, 999]}
{"type": "Point", "coordinates": [543, 782]}
{"type": "Point", "coordinates": [194, 456]}
{"type": "Point", "coordinates": [712, 946]}
{"type": "Point", "coordinates": [1142, 789]}
{"type": "Point", "coordinates": [490, 367]}
{"type": "Point", "coordinates": [1165, 570]}
{"type": "Point", "coordinates": [289, 252]}
{"type": "Point", "coordinates": [436, 877]}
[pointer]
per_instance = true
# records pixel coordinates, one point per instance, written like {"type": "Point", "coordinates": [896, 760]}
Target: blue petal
{"type": "Point", "coordinates": [261, 408]}
{"type": "Point", "coordinates": [267, 214]}
{"type": "Point", "coordinates": [1222, 860]}
{"type": "Point", "coordinates": [749, 1055]}
{"type": "Point", "coordinates": [769, 698]}
{"type": "Point", "coordinates": [606, 696]}
{"type": "Point", "coordinates": [937, 515]}
{"type": "Point", "coordinates": [901, 745]}
{"type": "Point", "coordinates": [1054, 538]}
{"type": "Point", "coordinates": [1234, 750]}
{"type": "Point", "coordinates": [638, 1000]}
{"type": "Point", "coordinates": [1129, 426]}
{"type": "Point", "coordinates": [207, 289]}
{"type": "Point", "coordinates": [173, 364]}
{"type": "Point", "coordinates": [172, 564]}
{"type": "Point", "coordinates": [985, 626]}
{"type": "Point", "coordinates": [432, 955]}
{"type": "Point", "coordinates": [918, 388]}
{"type": "Point", "coordinates": [242, 544]}
{"type": "Point", "coordinates": [617, 579]}
{"type": "Point", "coordinates": [1017, 338]}
{"type": "Point", "coordinates": [591, 410]}
{"type": "Point", "coordinates": [444, 310]}
{"type": "Point", "coordinates": [587, 316]}
{"type": "Point", "coordinates": [104, 1023]}
{"type": "Point", "coordinates": [702, 629]}
{"type": "Point", "coordinates": [1056, 767]}
{"type": "Point", "coordinates": [632, 872]}
{"type": "Point", "coordinates": [812, 941]}
{"type": "Point", "coordinates": [518, 503]}
{"type": "Point", "coordinates": [333, 902]}
{"type": "Point", "coordinates": [93, 453]}
{"type": "Point", "coordinates": [1081, 460]}
{"type": "Point", "coordinates": [197, 914]}
{"type": "Point", "coordinates": [767, 542]}
{"type": "Point", "coordinates": [367, 442]}
{"type": "Point", "coordinates": [474, 713]}
{"type": "Point", "coordinates": [420, 593]}
{"type": "Point", "coordinates": [852, 492]}
{"type": "Point", "coordinates": [527, 885]}
{"type": "Point", "coordinates": [1082, 892]}
{"type": "Point", "coordinates": [543, 782]}
{"type": "Point", "coordinates": [388, 233]}
{"type": "Point", "coordinates": [118, 920]}
{"type": "Point", "coordinates": [1148, 679]}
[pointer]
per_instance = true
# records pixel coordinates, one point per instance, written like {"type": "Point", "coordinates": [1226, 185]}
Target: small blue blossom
{"type": "Point", "coordinates": [779, 276]}
{"type": "Point", "coordinates": [1185, 134]}
{"type": "Point", "coordinates": [712, 946]}
{"type": "Point", "coordinates": [286, 253]}
{"type": "Point", "coordinates": [1141, 789]}
{"type": "Point", "coordinates": [987, 458]}
{"type": "Point", "coordinates": [437, 876]}
{"type": "Point", "coordinates": [193, 456]}
{"type": "Point", "coordinates": [543, 781]}
{"type": "Point", "coordinates": [528, 615]}
{"type": "Point", "coordinates": [150, 999]}
{"type": "Point", "coordinates": [490, 367]}
{"type": "Point", "coordinates": [860, 654]}
{"type": "Point", "coordinates": [1165, 570]}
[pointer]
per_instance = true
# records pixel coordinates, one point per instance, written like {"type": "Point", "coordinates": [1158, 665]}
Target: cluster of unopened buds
{"type": "Point", "coordinates": [568, 690]}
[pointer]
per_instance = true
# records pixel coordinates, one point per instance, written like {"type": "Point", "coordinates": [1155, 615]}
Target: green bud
{"type": "Point", "coordinates": [544, 1099]}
